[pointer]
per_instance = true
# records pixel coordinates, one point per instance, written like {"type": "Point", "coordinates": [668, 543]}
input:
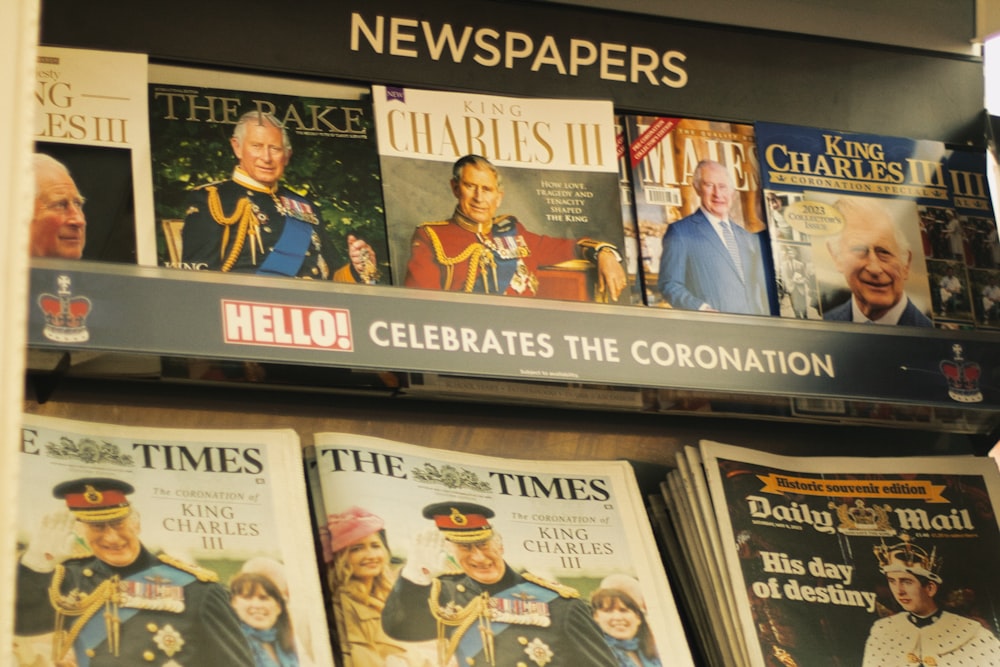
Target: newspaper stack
{"type": "Point", "coordinates": [438, 556]}
{"type": "Point", "coordinates": [835, 561]}
{"type": "Point", "coordinates": [164, 546]}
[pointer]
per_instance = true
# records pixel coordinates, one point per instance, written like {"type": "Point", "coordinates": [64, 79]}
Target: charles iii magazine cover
{"type": "Point", "coordinates": [164, 546]}
{"type": "Point", "coordinates": [440, 558]}
{"type": "Point", "coordinates": [266, 175]}
{"type": "Point", "coordinates": [501, 195]}
{"type": "Point", "coordinates": [859, 561]}
{"type": "Point", "coordinates": [92, 157]}
{"type": "Point", "coordinates": [853, 219]}
{"type": "Point", "coordinates": [967, 277]}
{"type": "Point", "coordinates": [700, 227]}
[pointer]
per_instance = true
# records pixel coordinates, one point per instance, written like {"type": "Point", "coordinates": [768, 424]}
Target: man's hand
{"type": "Point", "coordinates": [363, 259]}
{"type": "Point", "coordinates": [611, 277]}
{"type": "Point", "coordinates": [427, 557]}
{"type": "Point", "coordinates": [52, 542]}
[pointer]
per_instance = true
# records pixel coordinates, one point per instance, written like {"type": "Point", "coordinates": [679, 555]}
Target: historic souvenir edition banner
{"type": "Point", "coordinates": [132, 540]}
{"type": "Point", "coordinates": [507, 558]}
{"type": "Point", "coordinates": [849, 561]}
{"type": "Point", "coordinates": [551, 202]}
{"type": "Point", "coordinates": [96, 128]}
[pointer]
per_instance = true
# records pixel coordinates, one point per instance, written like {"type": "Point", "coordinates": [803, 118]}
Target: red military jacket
{"type": "Point", "coordinates": [454, 255]}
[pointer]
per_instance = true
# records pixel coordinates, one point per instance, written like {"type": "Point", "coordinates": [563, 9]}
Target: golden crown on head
{"type": "Point", "coordinates": [908, 557]}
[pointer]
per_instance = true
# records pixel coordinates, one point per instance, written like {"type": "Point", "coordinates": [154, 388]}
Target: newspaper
{"type": "Point", "coordinates": [147, 529]}
{"type": "Point", "coordinates": [500, 557]}
{"type": "Point", "coordinates": [859, 561]}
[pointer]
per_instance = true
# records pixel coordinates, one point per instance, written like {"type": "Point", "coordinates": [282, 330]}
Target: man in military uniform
{"type": "Point", "coordinates": [251, 224]}
{"type": "Point", "coordinates": [120, 604]}
{"type": "Point", "coordinates": [476, 251]}
{"type": "Point", "coordinates": [487, 614]}
{"type": "Point", "coordinates": [923, 633]}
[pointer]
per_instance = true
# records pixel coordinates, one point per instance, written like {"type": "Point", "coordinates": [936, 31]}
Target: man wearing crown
{"type": "Point", "coordinates": [486, 614]}
{"type": "Point", "coordinates": [119, 604]}
{"type": "Point", "coordinates": [923, 633]}
{"type": "Point", "coordinates": [252, 224]}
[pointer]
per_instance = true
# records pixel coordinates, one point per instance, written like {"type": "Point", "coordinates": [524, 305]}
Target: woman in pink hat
{"type": "Point", "coordinates": [361, 580]}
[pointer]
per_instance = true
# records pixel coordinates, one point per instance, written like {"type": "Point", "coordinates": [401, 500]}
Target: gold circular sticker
{"type": "Point", "coordinates": [814, 217]}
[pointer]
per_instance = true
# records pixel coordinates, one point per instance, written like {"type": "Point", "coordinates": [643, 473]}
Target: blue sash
{"type": "Point", "coordinates": [290, 250]}
{"type": "Point", "coordinates": [95, 630]}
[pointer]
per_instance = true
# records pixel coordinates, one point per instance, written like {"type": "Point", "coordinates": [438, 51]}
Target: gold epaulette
{"type": "Point", "coordinates": [434, 223]}
{"type": "Point", "coordinates": [563, 590]}
{"type": "Point", "coordinates": [200, 573]}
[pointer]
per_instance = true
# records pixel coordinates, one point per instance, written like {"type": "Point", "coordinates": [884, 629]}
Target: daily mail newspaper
{"type": "Point", "coordinates": [860, 561]}
{"type": "Point", "coordinates": [446, 558]}
{"type": "Point", "coordinates": [164, 546]}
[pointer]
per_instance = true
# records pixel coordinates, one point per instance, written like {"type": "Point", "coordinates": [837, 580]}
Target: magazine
{"type": "Point", "coordinates": [697, 173]}
{"type": "Point", "coordinates": [504, 561]}
{"type": "Point", "coordinates": [313, 210]}
{"type": "Point", "coordinates": [534, 206]}
{"type": "Point", "coordinates": [630, 226]}
{"type": "Point", "coordinates": [836, 201]}
{"type": "Point", "coordinates": [968, 281]}
{"type": "Point", "coordinates": [131, 541]}
{"type": "Point", "coordinates": [94, 130]}
{"type": "Point", "coordinates": [859, 561]}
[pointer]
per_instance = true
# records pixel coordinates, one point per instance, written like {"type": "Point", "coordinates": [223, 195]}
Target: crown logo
{"type": "Point", "coordinates": [908, 557]}
{"type": "Point", "coordinates": [962, 376]}
{"type": "Point", "coordinates": [65, 314]}
{"type": "Point", "coordinates": [863, 520]}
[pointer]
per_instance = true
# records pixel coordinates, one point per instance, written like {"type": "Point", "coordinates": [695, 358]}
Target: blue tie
{"type": "Point", "coordinates": [734, 252]}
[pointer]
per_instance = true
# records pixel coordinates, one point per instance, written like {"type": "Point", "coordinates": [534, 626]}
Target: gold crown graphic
{"type": "Point", "coordinates": [908, 557]}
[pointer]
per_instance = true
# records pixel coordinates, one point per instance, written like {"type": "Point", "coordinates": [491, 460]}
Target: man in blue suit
{"type": "Point", "coordinates": [709, 262]}
{"type": "Point", "coordinates": [874, 257]}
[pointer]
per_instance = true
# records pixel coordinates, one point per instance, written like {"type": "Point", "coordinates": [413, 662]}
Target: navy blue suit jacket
{"type": "Point", "coordinates": [911, 317]}
{"type": "Point", "coordinates": [696, 268]}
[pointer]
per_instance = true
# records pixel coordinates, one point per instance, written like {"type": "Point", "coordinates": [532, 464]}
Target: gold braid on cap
{"type": "Point", "coordinates": [243, 215]}
{"type": "Point", "coordinates": [84, 607]}
{"type": "Point", "coordinates": [460, 618]}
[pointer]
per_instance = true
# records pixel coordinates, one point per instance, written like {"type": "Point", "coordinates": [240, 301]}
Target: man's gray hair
{"type": "Point", "coordinates": [261, 118]}
{"type": "Point", "coordinates": [477, 161]}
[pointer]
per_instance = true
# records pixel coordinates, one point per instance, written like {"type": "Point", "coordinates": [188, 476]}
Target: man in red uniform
{"type": "Point", "coordinates": [478, 251]}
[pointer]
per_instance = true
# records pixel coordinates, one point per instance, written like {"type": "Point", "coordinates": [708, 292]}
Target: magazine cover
{"type": "Point", "coordinates": [164, 546]}
{"type": "Point", "coordinates": [473, 560]}
{"type": "Point", "coordinates": [501, 195]}
{"type": "Point", "coordinates": [847, 213]}
{"type": "Point", "coordinates": [860, 561]}
{"type": "Point", "coordinates": [94, 196]}
{"type": "Point", "coordinates": [266, 175]}
{"type": "Point", "coordinates": [699, 174]}
{"type": "Point", "coordinates": [630, 226]}
{"type": "Point", "coordinates": [969, 280]}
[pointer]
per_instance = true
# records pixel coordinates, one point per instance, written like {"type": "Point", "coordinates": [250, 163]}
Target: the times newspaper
{"type": "Point", "coordinates": [562, 529]}
{"type": "Point", "coordinates": [129, 539]}
{"type": "Point", "coordinates": [858, 561]}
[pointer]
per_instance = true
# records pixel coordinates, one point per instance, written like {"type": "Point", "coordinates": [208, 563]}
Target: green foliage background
{"type": "Point", "coordinates": [338, 174]}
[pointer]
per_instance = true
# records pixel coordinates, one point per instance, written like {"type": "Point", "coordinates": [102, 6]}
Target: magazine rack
{"type": "Point", "coordinates": [729, 73]}
{"type": "Point", "coordinates": [135, 309]}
